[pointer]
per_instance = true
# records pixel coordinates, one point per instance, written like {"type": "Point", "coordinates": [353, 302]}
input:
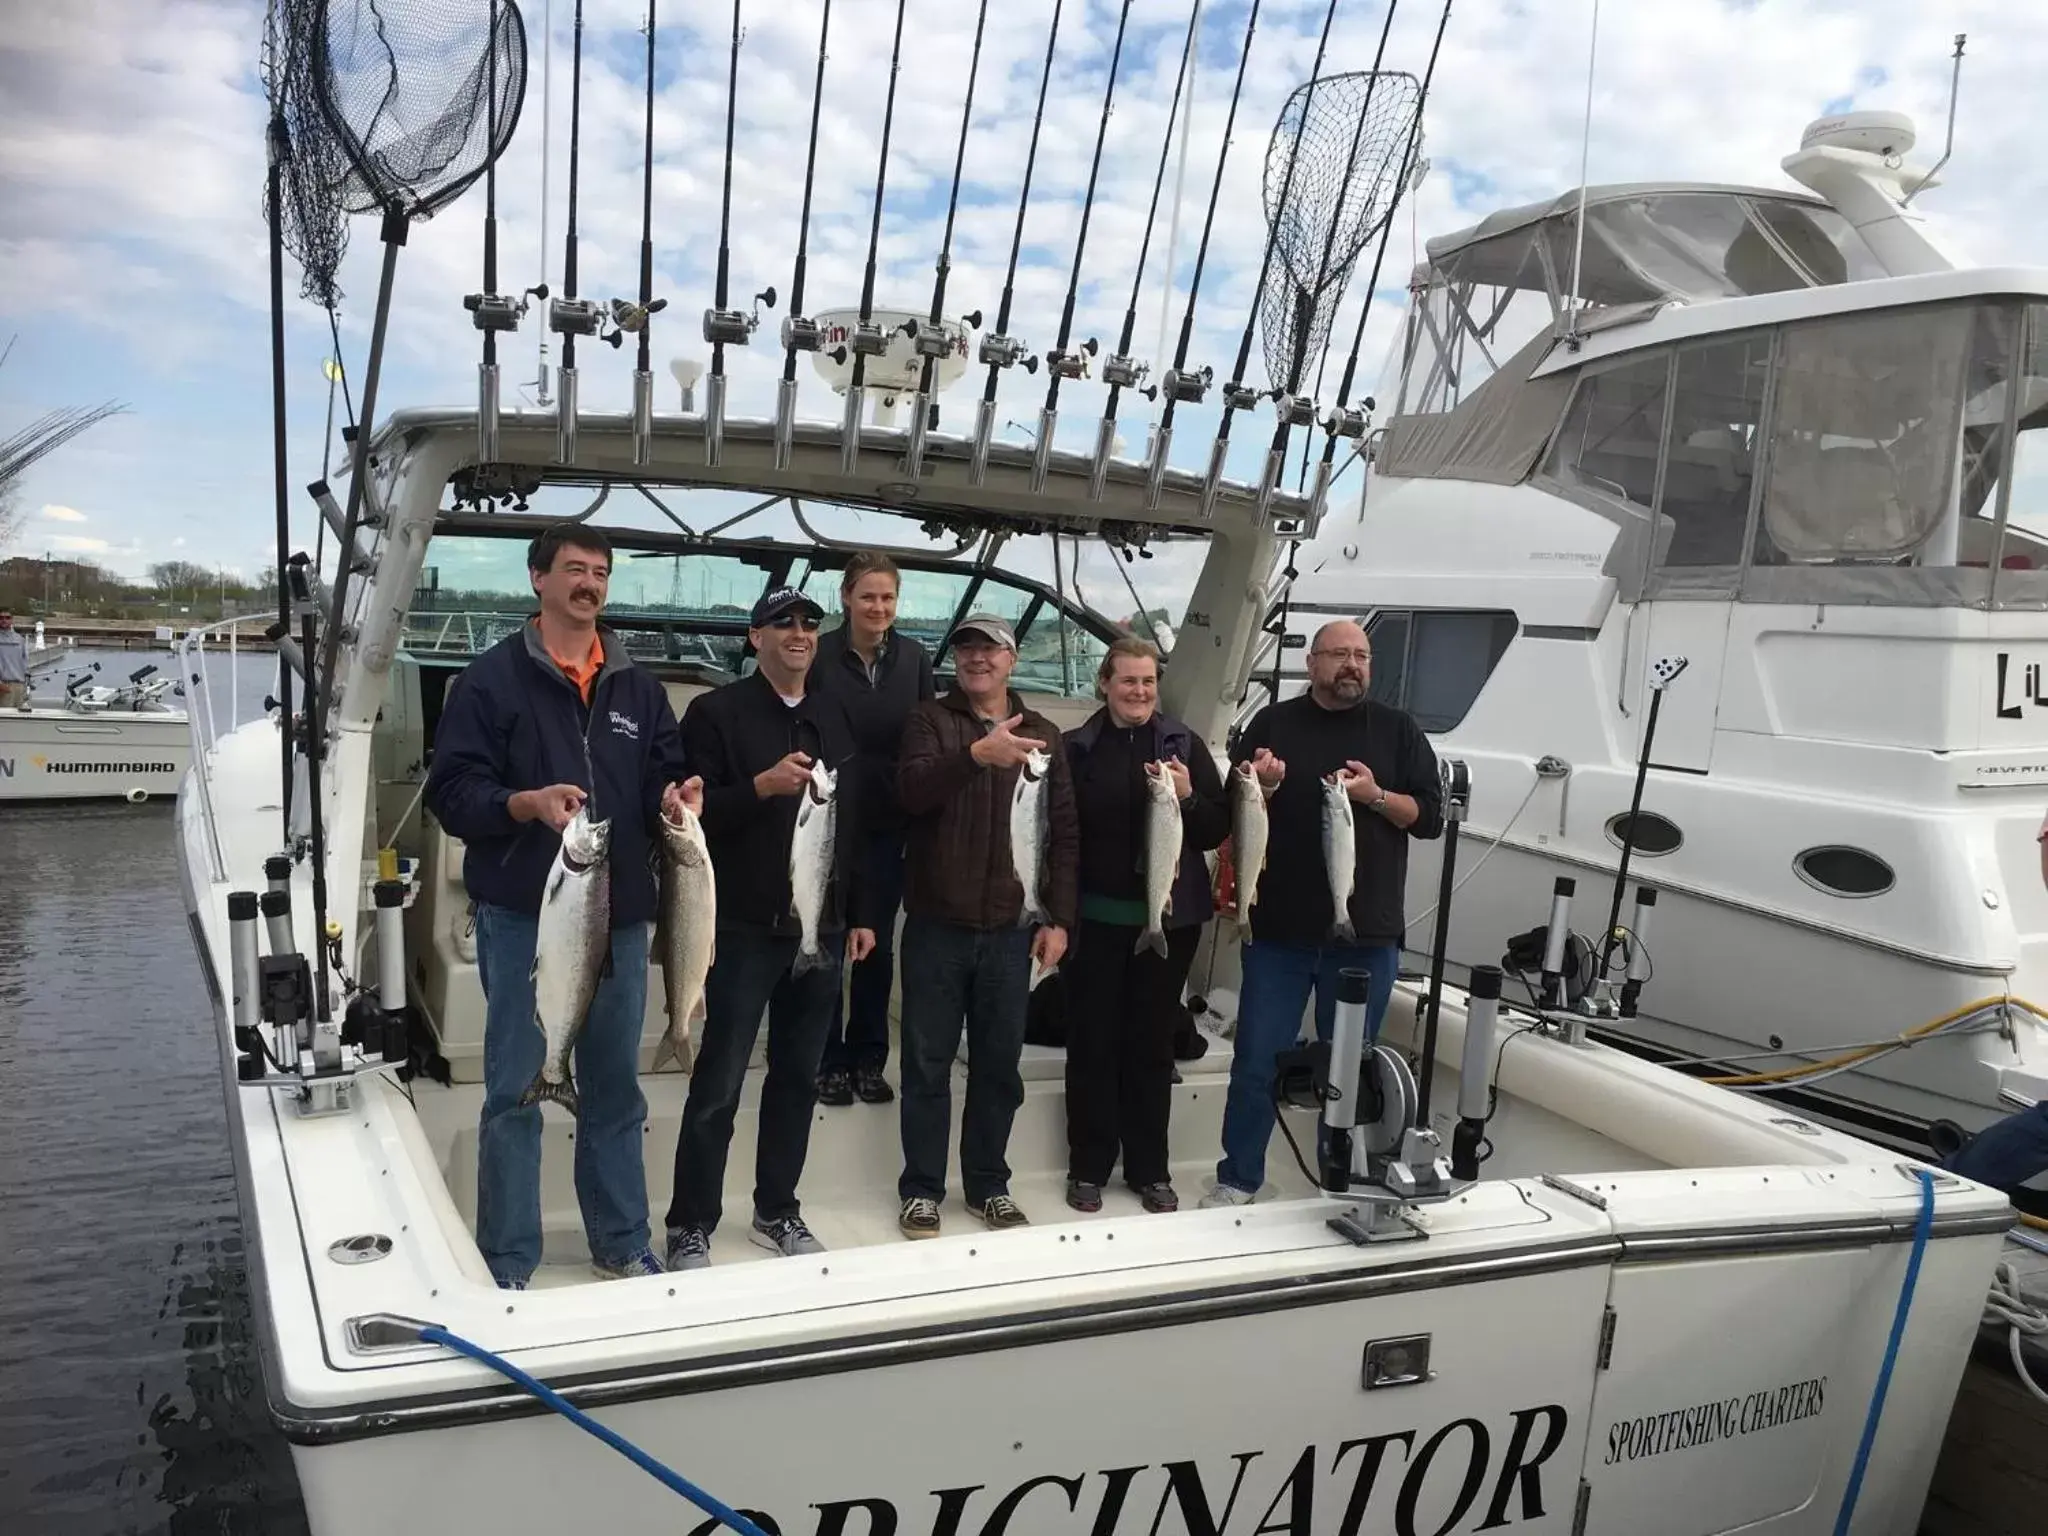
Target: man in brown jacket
{"type": "Point", "coordinates": [966, 952]}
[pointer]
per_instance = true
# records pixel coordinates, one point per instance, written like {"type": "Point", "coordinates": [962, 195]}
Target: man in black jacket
{"type": "Point", "coordinates": [544, 721]}
{"type": "Point", "coordinates": [1384, 763]}
{"type": "Point", "coordinates": [755, 742]}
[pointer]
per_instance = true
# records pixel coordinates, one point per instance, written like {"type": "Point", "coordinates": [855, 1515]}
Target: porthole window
{"type": "Point", "coordinates": [1844, 871]}
{"type": "Point", "coordinates": [1653, 835]}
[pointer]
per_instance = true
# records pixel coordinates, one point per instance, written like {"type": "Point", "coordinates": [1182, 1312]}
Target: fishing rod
{"type": "Point", "coordinates": [636, 317]}
{"type": "Point", "coordinates": [1292, 408]}
{"type": "Point", "coordinates": [867, 339]}
{"type": "Point", "coordinates": [1179, 384]}
{"type": "Point", "coordinates": [1235, 396]}
{"type": "Point", "coordinates": [1063, 363]}
{"type": "Point", "coordinates": [930, 340]}
{"type": "Point", "coordinates": [569, 316]}
{"type": "Point", "coordinates": [491, 311]}
{"type": "Point", "coordinates": [998, 348]}
{"type": "Point", "coordinates": [1120, 370]}
{"type": "Point", "coordinates": [279, 144]}
{"type": "Point", "coordinates": [799, 331]}
{"type": "Point", "coordinates": [723, 326]}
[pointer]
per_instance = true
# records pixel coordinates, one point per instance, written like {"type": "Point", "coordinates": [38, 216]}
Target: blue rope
{"type": "Point", "coordinates": [435, 1334]}
{"type": "Point", "coordinates": [1891, 1353]}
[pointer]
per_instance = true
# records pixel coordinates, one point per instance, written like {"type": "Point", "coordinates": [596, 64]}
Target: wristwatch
{"type": "Point", "coordinates": [1382, 800]}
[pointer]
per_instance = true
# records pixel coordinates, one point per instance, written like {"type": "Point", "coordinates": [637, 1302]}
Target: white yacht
{"type": "Point", "coordinates": [94, 741]}
{"type": "Point", "coordinates": [1791, 449]}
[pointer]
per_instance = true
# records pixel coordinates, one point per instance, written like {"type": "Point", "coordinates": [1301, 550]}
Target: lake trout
{"type": "Point", "coordinates": [1340, 855]}
{"type": "Point", "coordinates": [1250, 826]}
{"type": "Point", "coordinates": [571, 953]}
{"type": "Point", "coordinates": [687, 934]}
{"type": "Point", "coordinates": [811, 848]}
{"type": "Point", "coordinates": [1162, 855]}
{"type": "Point", "coordinates": [1028, 806]}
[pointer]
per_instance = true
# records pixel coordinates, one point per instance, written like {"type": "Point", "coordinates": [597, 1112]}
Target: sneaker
{"type": "Point", "coordinates": [834, 1088]}
{"type": "Point", "coordinates": [1083, 1196]}
{"type": "Point", "coordinates": [511, 1285]}
{"type": "Point", "coordinates": [1226, 1194]}
{"type": "Point", "coordinates": [631, 1267]}
{"type": "Point", "coordinates": [786, 1235]}
{"type": "Point", "coordinates": [1157, 1198]}
{"type": "Point", "coordinates": [871, 1087]}
{"type": "Point", "coordinates": [919, 1217]}
{"type": "Point", "coordinates": [1000, 1212]}
{"type": "Point", "coordinates": [689, 1248]}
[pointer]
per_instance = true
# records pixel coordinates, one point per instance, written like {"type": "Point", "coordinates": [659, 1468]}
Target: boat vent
{"type": "Point", "coordinates": [1653, 835]}
{"type": "Point", "coordinates": [1842, 871]}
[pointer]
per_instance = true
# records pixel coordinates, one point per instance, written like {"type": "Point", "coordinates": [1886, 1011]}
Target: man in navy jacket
{"type": "Point", "coordinates": [545, 720]}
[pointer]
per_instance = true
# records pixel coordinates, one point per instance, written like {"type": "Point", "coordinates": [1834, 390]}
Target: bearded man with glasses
{"type": "Point", "coordinates": [755, 742]}
{"type": "Point", "coordinates": [1332, 735]}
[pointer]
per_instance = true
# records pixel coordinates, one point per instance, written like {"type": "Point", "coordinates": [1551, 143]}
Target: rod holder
{"type": "Point", "coordinates": [1554, 937]}
{"type": "Point", "coordinates": [244, 958]}
{"type": "Point", "coordinates": [389, 896]}
{"type": "Point", "coordinates": [565, 414]}
{"type": "Point", "coordinates": [487, 413]}
{"type": "Point", "coordinates": [849, 428]}
{"type": "Point", "coordinates": [1098, 470]}
{"type": "Point", "coordinates": [785, 422]}
{"type": "Point", "coordinates": [643, 416]}
{"type": "Point", "coordinates": [277, 921]}
{"type": "Point", "coordinates": [714, 420]}
{"type": "Point", "coordinates": [1213, 477]}
{"type": "Point", "coordinates": [984, 433]}
{"type": "Point", "coordinates": [1269, 483]}
{"type": "Point", "coordinates": [277, 872]}
{"type": "Point", "coordinates": [1482, 1020]}
{"type": "Point", "coordinates": [1347, 1057]}
{"type": "Point", "coordinates": [1155, 472]}
{"type": "Point", "coordinates": [1318, 500]}
{"type": "Point", "coordinates": [1638, 958]}
{"type": "Point", "coordinates": [920, 419]}
{"type": "Point", "coordinates": [1041, 450]}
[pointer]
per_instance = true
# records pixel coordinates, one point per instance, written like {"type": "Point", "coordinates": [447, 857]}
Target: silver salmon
{"type": "Point", "coordinates": [1028, 803]}
{"type": "Point", "coordinates": [1250, 827]}
{"type": "Point", "coordinates": [571, 952]}
{"type": "Point", "coordinates": [688, 933]}
{"type": "Point", "coordinates": [811, 848]}
{"type": "Point", "coordinates": [1162, 855]}
{"type": "Point", "coordinates": [1340, 855]}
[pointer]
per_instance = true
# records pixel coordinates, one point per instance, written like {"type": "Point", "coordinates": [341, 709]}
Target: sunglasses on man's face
{"type": "Point", "coordinates": [810, 622]}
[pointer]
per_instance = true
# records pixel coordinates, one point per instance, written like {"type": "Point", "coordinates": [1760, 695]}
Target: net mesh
{"type": "Point", "coordinates": [417, 106]}
{"type": "Point", "coordinates": [313, 224]}
{"type": "Point", "coordinates": [1346, 136]}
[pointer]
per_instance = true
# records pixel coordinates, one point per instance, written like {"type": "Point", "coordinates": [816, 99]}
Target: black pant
{"type": "Point", "coordinates": [752, 972]}
{"type": "Point", "coordinates": [979, 978]}
{"type": "Point", "coordinates": [1120, 1027]}
{"type": "Point", "coordinates": [859, 1037]}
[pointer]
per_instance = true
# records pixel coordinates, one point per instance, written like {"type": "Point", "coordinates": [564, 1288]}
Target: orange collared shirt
{"type": "Point", "coordinates": [582, 673]}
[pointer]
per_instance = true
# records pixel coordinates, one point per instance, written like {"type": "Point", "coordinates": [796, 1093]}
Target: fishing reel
{"type": "Point", "coordinates": [1186, 387]}
{"type": "Point", "coordinates": [1239, 397]}
{"type": "Point", "coordinates": [734, 327]}
{"type": "Point", "coordinates": [1123, 371]}
{"type": "Point", "coordinates": [928, 340]}
{"type": "Point", "coordinates": [1294, 410]}
{"type": "Point", "coordinates": [575, 317]}
{"type": "Point", "coordinates": [501, 311]}
{"type": "Point", "coordinates": [999, 351]}
{"type": "Point", "coordinates": [1072, 363]}
{"type": "Point", "coordinates": [629, 318]}
{"type": "Point", "coordinates": [1346, 422]}
{"type": "Point", "coordinates": [866, 339]}
{"type": "Point", "coordinates": [800, 334]}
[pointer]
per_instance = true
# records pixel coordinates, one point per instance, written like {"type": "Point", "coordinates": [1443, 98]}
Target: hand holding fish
{"type": "Point", "coordinates": [1183, 786]}
{"type": "Point", "coordinates": [556, 805]}
{"type": "Point", "coordinates": [1001, 748]}
{"type": "Point", "coordinates": [687, 795]}
{"type": "Point", "coordinates": [787, 777]}
{"type": "Point", "coordinates": [1047, 945]}
{"type": "Point", "coordinates": [1359, 783]}
{"type": "Point", "coordinates": [1270, 769]}
{"type": "Point", "coordinates": [860, 943]}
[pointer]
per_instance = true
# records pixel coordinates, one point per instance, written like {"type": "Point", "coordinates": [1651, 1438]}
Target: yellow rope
{"type": "Point", "coordinates": [1918, 1031]}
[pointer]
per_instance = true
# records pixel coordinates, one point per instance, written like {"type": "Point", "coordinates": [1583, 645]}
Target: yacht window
{"type": "Point", "coordinates": [1717, 405]}
{"type": "Point", "coordinates": [1863, 435]}
{"type": "Point", "coordinates": [1610, 435]}
{"type": "Point", "coordinates": [1389, 635]}
{"type": "Point", "coordinates": [1434, 664]}
{"type": "Point", "coordinates": [1844, 871]}
{"type": "Point", "coordinates": [1652, 835]}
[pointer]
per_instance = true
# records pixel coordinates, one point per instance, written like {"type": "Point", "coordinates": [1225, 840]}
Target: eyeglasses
{"type": "Point", "coordinates": [1358, 656]}
{"type": "Point", "coordinates": [809, 621]}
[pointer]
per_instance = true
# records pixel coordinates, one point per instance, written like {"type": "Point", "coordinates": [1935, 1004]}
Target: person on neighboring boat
{"type": "Point", "coordinates": [879, 675]}
{"type": "Point", "coordinates": [1121, 994]}
{"type": "Point", "coordinates": [13, 664]}
{"type": "Point", "coordinates": [1389, 773]}
{"type": "Point", "coordinates": [966, 953]}
{"type": "Point", "coordinates": [755, 742]}
{"type": "Point", "coordinates": [552, 718]}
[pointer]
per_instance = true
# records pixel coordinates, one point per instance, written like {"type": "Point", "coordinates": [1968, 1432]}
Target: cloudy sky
{"type": "Point", "coordinates": [133, 247]}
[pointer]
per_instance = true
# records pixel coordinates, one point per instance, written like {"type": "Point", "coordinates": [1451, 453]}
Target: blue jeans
{"type": "Point", "coordinates": [753, 973]}
{"type": "Point", "coordinates": [1277, 981]}
{"type": "Point", "coordinates": [859, 1036]}
{"type": "Point", "coordinates": [955, 975]}
{"type": "Point", "coordinates": [611, 1178]}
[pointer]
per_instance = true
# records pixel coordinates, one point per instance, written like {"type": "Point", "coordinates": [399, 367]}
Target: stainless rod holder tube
{"type": "Point", "coordinates": [1347, 1058]}
{"type": "Point", "coordinates": [1475, 1092]}
{"type": "Point", "coordinates": [390, 900]}
{"type": "Point", "coordinates": [1213, 476]}
{"type": "Point", "coordinates": [984, 434]}
{"type": "Point", "coordinates": [487, 413]}
{"type": "Point", "coordinates": [1155, 472]}
{"type": "Point", "coordinates": [785, 421]}
{"type": "Point", "coordinates": [565, 415]}
{"type": "Point", "coordinates": [1638, 957]}
{"type": "Point", "coordinates": [1554, 938]}
{"type": "Point", "coordinates": [277, 921]}
{"type": "Point", "coordinates": [643, 417]}
{"type": "Point", "coordinates": [243, 939]}
{"type": "Point", "coordinates": [1098, 470]}
{"type": "Point", "coordinates": [920, 418]}
{"type": "Point", "coordinates": [1041, 451]}
{"type": "Point", "coordinates": [277, 872]}
{"type": "Point", "coordinates": [849, 428]}
{"type": "Point", "coordinates": [714, 420]}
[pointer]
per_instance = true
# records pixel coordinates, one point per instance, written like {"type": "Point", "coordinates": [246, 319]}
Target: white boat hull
{"type": "Point", "coordinates": [61, 754]}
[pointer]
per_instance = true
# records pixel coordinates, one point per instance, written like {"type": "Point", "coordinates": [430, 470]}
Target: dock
{"type": "Point", "coordinates": [1992, 1479]}
{"type": "Point", "coordinates": [134, 634]}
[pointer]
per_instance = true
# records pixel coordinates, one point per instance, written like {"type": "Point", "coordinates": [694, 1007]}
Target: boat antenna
{"type": "Point", "coordinates": [1120, 370]}
{"type": "Point", "coordinates": [799, 331]}
{"type": "Point", "coordinates": [1178, 384]}
{"type": "Point", "coordinates": [1571, 313]}
{"type": "Point", "coordinates": [547, 141]}
{"type": "Point", "coordinates": [1955, 81]}
{"type": "Point", "coordinates": [639, 317]}
{"type": "Point", "coordinates": [998, 348]}
{"type": "Point", "coordinates": [1235, 396]}
{"type": "Point", "coordinates": [867, 339]}
{"type": "Point", "coordinates": [930, 340]}
{"type": "Point", "coordinates": [1297, 306]}
{"type": "Point", "coordinates": [1063, 363]}
{"type": "Point", "coordinates": [724, 326]}
{"type": "Point", "coordinates": [1342, 421]}
{"type": "Point", "coordinates": [1180, 182]}
{"type": "Point", "coordinates": [491, 311]}
{"type": "Point", "coordinates": [568, 315]}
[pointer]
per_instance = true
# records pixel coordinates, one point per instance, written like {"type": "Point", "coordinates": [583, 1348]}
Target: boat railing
{"type": "Point", "coordinates": [205, 654]}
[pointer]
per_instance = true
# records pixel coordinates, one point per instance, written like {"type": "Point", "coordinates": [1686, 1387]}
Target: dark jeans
{"type": "Point", "coordinates": [859, 1036]}
{"type": "Point", "coordinates": [1120, 1026]}
{"type": "Point", "coordinates": [954, 974]}
{"type": "Point", "coordinates": [752, 972]}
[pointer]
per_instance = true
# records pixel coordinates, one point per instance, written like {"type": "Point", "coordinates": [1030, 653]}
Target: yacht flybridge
{"type": "Point", "coordinates": [1788, 445]}
{"type": "Point", "coordinates": [1532, 1283]}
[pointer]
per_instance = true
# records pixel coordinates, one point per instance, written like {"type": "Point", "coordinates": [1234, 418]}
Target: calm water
{"type": "Point", "coordinates": [130, 1395]}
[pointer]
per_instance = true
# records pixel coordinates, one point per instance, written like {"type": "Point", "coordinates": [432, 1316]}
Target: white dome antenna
{"type": "Point", "coordinates": [687, 371]}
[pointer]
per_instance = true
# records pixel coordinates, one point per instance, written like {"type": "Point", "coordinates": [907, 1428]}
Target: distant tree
{"type": "Point", "coordinates": [171, 577]}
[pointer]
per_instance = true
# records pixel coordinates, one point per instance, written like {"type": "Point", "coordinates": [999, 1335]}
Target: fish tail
{"type": "Point", "coordinates": [671, 1049]}
{"type": "Point", "coordinates": [1153, 939]}
{"type": "Point", "coordinates": [540, 1090]}
{"type": "Point", "coordinates": [807, 960]}
{"type": "Point", "coordinates": [1343, 932]}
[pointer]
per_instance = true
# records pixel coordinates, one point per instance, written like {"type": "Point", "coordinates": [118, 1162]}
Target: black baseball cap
{"type": "Point", "coordinates": [774, 605]}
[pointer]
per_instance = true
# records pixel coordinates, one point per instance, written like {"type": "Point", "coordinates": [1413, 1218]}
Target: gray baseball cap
{"type": "Point", "coordinates": [984, 626]}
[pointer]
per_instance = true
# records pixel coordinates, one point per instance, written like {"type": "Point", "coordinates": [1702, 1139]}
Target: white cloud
{"type": "Point", "coordinates": [54, 513]}
{"type": "Point", "coordinates": [80, 543]}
